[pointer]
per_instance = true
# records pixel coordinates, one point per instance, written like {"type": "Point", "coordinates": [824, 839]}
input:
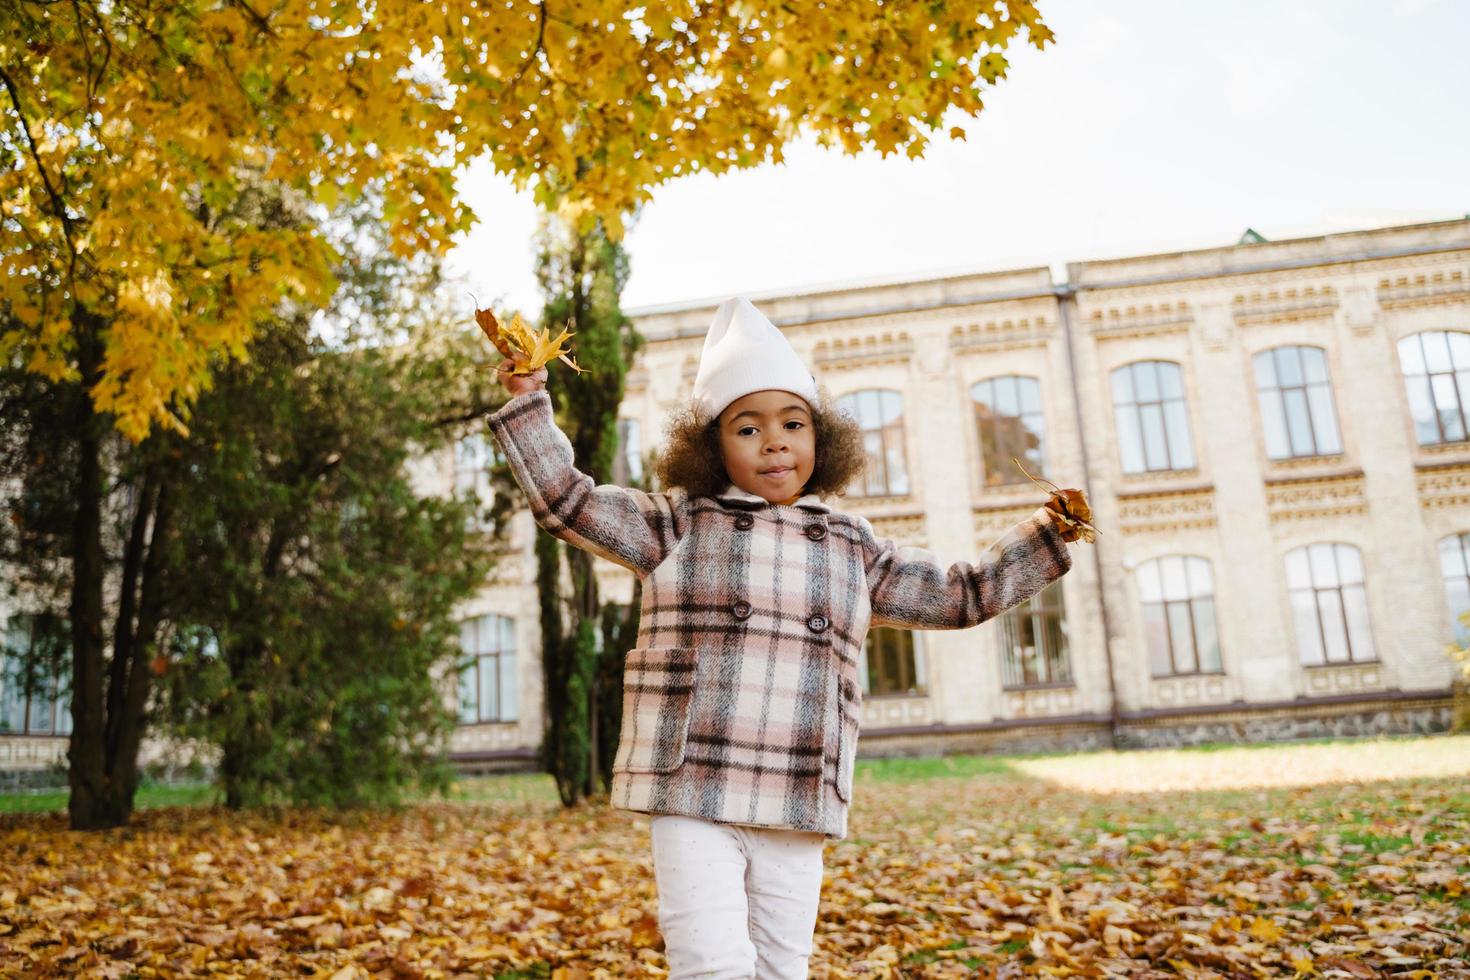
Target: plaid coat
{"type": "Point", "coordinates": [741, 698]}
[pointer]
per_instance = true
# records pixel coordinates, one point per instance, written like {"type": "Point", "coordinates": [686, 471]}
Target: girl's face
{"type": "Point", "coordinates": [769, 444]}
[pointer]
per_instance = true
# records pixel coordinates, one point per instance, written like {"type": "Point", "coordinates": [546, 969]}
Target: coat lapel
{"type": "Point", "coordinates": [733, 496]}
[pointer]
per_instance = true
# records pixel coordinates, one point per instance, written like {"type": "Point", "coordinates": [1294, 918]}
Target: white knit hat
{"type": "Point", "coordinates": [744, 352]}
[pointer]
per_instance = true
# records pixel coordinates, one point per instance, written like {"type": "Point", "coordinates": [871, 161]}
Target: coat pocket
{"type": "Point", "coordinates": [849, 705]}
{"type": "Point", "coordinates": [658, 688]}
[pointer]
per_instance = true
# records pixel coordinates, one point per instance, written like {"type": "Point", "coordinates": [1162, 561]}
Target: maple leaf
{"type": "Point", "coordinates": [536, 348]}
{"type": "Point", "coordinates": [1265, 930]}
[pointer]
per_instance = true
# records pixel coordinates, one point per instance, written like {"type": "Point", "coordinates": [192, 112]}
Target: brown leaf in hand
{"type": "Point", "coordinates": [536, 348]}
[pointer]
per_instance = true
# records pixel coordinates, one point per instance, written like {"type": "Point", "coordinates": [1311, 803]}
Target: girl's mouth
{"type": "Point", "coordinates": [776, 472]}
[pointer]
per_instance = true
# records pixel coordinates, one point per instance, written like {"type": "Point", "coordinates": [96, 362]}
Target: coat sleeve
{"type": "Point", "coordinates": [909, 587]}
{"type": "Point", "coordinates": [629, 527]}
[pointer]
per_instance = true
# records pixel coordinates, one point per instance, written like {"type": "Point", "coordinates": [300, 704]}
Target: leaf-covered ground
{"type": "Point", "coordinates": [1134, 864]}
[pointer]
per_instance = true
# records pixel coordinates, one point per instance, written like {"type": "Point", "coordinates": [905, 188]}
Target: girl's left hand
{"type": "Point", "coordinates": [1071, 505]}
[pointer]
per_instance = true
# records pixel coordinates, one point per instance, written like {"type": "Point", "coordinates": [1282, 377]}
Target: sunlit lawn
{"type": "Point", "coordinates": [1208, 767]}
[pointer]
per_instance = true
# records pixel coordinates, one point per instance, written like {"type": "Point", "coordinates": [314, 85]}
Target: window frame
{"type": "Point", "coordinates": [1277, 393]}
{"type": "Point", "coordinates": [1458, 544]}
{"type": "Point", "coordinates": [1134, 409]}
{"type": "Point", "coordinates": [917, 671]}
{"type": "Point", "coordinates": [59, 691]}
{"type": "Point", "coordinates": [504, 626]}
{"type": "Point", "coordinates": [624, 463]}
{"type": "Point", "coordinates": [1008, 475]}
{"type": "Point", "coordinates": [1312, 561]}
{"type": "Point", "coordinates": [1046, 604]}
{"type": "Point", "coordinates": [895, 431]}
{"type": "Point", "coordinates": [475, 477]}
{"type": "Point", "coordinates": [1457, 381]}
{"type": "Point", "coordinates": [1191, 565]}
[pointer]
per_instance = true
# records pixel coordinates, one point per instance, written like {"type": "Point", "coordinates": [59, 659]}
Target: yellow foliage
{"type": "Point", "coordinates": [130, 141]}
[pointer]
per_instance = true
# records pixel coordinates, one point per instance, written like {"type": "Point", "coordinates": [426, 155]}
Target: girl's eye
{"type": "Point", "coordinates": [794, 424]}
{"type": "Point", "coordinates": [746, 430]}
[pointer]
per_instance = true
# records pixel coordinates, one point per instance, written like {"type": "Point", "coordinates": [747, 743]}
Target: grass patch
{"type": "Point", "coordinates": [942, 767]}
{"type": "Point", "coordinates": [174, 794]}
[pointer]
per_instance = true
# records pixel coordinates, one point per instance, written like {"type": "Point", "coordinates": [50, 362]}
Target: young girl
{"type": "Point", "coordinates": [741, 698]}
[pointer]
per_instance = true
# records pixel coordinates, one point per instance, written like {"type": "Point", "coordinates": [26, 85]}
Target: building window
{"type": "Point", "coordinates": [474, 455]}
{"type": "Point", "coordinates": [1178, 596]}
{"type": "Point", "coordinates": [890, 665]}
{"type": "Point", "coordinates": [1454, 565]}
{"type": "Point", "coordinates": [1008, 415]}
{"type": "Point", "coordinates": [1153, 424]}
{"type": "Point", "coordinates": [1034, 639]}
{"type": "Point", "coordinates": [1436, 366]}
{"type": "Point", "coordinates": [488, 682]}
{"type": "Point", "coordinates": [1329, 604]}
{"type": "Point", "coordinates": [879, 415]}
{"type": "Point", "coordinates": [34, 687]}
{"type": "Point", "coordinates": [1296, 402]}
{"type": "Point", "coordinates": [628, 461]}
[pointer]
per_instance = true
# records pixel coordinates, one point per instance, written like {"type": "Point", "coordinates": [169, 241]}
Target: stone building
{"type": "Point", "coordinates": [1273, 436]}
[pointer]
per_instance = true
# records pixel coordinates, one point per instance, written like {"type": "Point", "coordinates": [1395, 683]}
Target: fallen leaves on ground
{"type": "Point", "coordinates": [998, 874]}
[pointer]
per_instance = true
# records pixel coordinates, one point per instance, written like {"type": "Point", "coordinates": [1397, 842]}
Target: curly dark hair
{"type": "Point", "coordinates": [691, 458]}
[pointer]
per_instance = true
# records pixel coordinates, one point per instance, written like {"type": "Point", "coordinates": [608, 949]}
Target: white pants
{"type": "Point", "coordinates": [735, 901]}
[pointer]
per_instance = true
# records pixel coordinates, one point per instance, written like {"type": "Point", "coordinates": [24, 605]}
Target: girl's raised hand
{"type": "Point", "coordinates": [1071, 505]}
{"type": "Point", "coordinates": [519, 384]}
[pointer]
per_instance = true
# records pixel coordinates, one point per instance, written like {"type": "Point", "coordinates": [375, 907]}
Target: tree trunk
{"type": "Point", "coordinates": [93, 803]}
{"type": "Point", "coordinates": [109, 708]}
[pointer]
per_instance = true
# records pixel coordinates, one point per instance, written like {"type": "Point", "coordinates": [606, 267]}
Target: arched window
{"type": "Point", "coordinates": [1454, 566]}
{"type": "Point", "coordinates": [1153, 423]}
{"type": "Point", "coordinates": [1178, 596]}
{"type": "Point", "coordinates": [880, 416]}
{"type": "Point", "coordinates": [488, 683]}
{"type": "Point", "coordinates": [474, 455]}
{"type": "Point", "coordinates": [1436, 366]}
{"type": "Point", "coordinates": [1329, 604]}
{"type": "Point", "coordinates": [628, 461]}
{"type": "Point", "coordinates": [1296, 402]}
{"type": "Point", "coordinates": [34, 672]}
{"type": "Point", "coordinates": [1008, 415]}
{"type": "Point", "coordinates": [1034, 641]}
{"type": "Point", "coordinates": [890, 664]}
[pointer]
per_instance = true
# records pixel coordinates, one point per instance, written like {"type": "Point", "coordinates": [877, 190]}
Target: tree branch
{"type": "Point", "coordinates": [57, 204]}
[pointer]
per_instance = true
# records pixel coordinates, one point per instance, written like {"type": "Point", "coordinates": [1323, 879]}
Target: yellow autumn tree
{"type": "Point", "coordinates": [129, 125]}
{"type": "Point", "coordinates": [170, 172]}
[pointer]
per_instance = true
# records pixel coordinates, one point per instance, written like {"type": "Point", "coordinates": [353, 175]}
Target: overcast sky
{"type": "Point", "coordinates": [1150, 125]}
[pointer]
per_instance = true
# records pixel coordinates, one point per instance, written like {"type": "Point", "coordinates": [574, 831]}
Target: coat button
{"type": "Point", "coordinates": [816, 532]}
{"type": "Point", "coordinates": [741, 610]}
{"type": "Point", "coordinates": [817, 624]}
{"type": "Point", "coordinates": [745, 522]}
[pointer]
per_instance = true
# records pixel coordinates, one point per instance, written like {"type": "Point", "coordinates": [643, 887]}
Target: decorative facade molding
{"type": "Point", "coordinates": [1307, 467]}
{"type": "Point", "coordinates": [1343, 679]}
{"type": "Point", "coordinates": [893, 711]}
{"type": "Point", "coordinates": [1147, 320]}
{"type": "Point", "coordinates": [1444, 484]}
{"type": "Point", "coordinates": [1167, 510]}
{"type": "Point", "coordinates": [1440, 288]}
{"type": "Point", "coordinates": [1010, 332]}
{"type": "Point", "coordinates": [1041, 702]}
{"type": "Point", "coordinates": [1360, 308]}
{"type": "Point", "coordinates": [1309, 498]}
{"type": "Point", "coordinates": [889, 347]}
{"type": "Point", "coordinates": [904, 529]}
{"type": "Point", "coordinates": [1216, 325]}
{"type": "Point", "coordinates": [1287, 305]}
{"type": "Point", "coordinates": [992, 522]}
{"type": "Point", "coordinates": [1169, 692]}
